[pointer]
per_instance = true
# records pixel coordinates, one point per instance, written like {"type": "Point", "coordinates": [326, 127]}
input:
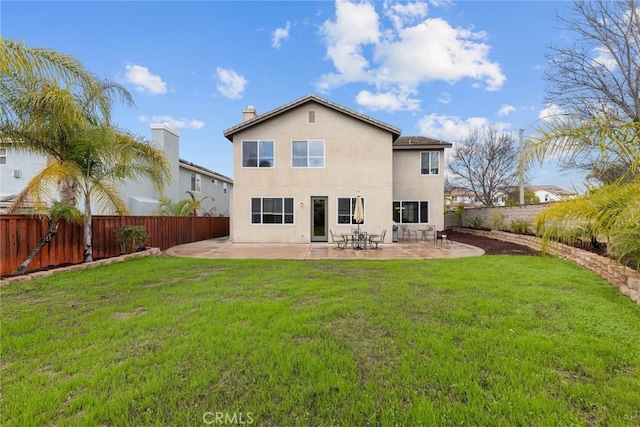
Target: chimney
{"type": "Point", "coordinates": [249, 113]}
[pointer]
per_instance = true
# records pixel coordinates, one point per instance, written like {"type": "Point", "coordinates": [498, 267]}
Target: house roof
{"type": "Point", "coordinates": [301, 101]}
{"type": "Point", "coordinates": [418, 143]}
{"type": "Point", "coordinates": [196, 168]}
{"type": "Point", "coordinates": [553, 189]}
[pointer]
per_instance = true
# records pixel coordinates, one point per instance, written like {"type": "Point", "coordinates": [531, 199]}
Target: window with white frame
{"type": "Point", "coordinates": [346, 210]}
{"type": "Point", "coordinates": [224, 188]}
{"type": "Point", "coordinates": [258, 154]}
{"type": "Point", "coordinates": [272, 210]}
{"type": "Point", "coordinates": [410, 212]}
{"type": "Point", "coordinates": [307, 154]}
{"type": "Point", "coordinates": [429, 163]}
{"type": "Point", "coordinates": [196, 182]}
{"type": "Point", "coordinates": [3, 156]}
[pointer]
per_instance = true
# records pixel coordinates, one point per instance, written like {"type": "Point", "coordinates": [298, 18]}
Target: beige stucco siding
{"type": "Point", "coordinates": [410, 185]}
{"type": "Point", "coordinates": [358, 157]}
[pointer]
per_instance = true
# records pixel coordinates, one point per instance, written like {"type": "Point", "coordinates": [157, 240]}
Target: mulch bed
{"type": "Point", "coordinates": [491, 246]}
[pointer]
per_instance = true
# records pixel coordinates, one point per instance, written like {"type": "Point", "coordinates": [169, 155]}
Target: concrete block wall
{"type": "Point", "coordinates": [509, 213]}
{"type": "Point", "coordinates": [624, 278]}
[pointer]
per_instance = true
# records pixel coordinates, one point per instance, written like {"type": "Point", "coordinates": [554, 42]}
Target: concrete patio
{"type": "Point", "coordinates": [223, 248]}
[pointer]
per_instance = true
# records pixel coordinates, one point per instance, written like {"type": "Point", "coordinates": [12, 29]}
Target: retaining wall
{"type": "Point", "coordinates": [509, 214]}
{"type": "Point", "coordinates": [624, 278]}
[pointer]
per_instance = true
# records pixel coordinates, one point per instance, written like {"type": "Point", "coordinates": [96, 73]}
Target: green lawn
{"type": "Point", "coordinates": [491, 340]}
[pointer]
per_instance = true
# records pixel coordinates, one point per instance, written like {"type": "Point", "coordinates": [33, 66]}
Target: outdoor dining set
{"type": "Point", "coordinates": [362, 240]}
{"type": "Point", "coordinates": [358, 239]}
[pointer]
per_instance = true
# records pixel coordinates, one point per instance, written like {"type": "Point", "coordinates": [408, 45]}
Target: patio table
{"type": "Point", "coordinates": [424, 232]}
{"type": "Point", "coordinates": [358, 240]}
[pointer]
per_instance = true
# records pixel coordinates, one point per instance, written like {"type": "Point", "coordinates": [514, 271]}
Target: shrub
{"type": "Point", "coordinates": [520, 226]}
{"type": "Point", "coordinates": [497, 221]}
{"type": "Point", "coordinates": [476, 222]}
{"type": "Point", "coordinates": [131, 237]}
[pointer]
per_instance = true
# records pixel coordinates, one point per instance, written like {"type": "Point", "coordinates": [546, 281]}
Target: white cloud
{"type": "Point", "coordinates": [230, 84]}
{"type": "Point", "coordinates": [551, 111]}
{"type": "Point", "coordinates": [355, 26]}
{"type": "Point", "coordinates": [174, 123]}
{"type": "Point", "coordinates": [144, 81]}
{"type": "Point", "coordinates": [404, 14]}
{"type": "Point", "coordinates": [453, 128]}
{"type": "Point", "coordinates": [505, 110]}
{"type": "Point", "coordinates": [413, 51]}
{"type": "Point", "coordinates": [605, 58]}
{"type": "Point", "coordinates": [387, 101]}
{"type": "Point", "coordinates": [280, 34]}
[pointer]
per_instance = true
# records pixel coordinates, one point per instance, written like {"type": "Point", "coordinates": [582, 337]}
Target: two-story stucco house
{"type": "Point", "coordinates": [298, 169]}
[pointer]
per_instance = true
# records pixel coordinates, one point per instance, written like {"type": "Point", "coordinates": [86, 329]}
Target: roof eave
{"type": "Point", "coordinates": [395, 132]}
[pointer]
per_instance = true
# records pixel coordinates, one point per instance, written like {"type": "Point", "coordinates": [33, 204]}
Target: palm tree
{"type": "Point", "coordinates": [20, 64]}
{"type": "Point", "coordinates": [605, 147]}
{"type": "Point", "coordinates": [184, 207]}
{"type": "Point", "coordinates": [56, 213]}
{"type": "Point", "coordinates": [98, 158]}
{"type": "Point", "coordinates": [63, 112]}
{"type": "Point", "coordinates": [611, 207]}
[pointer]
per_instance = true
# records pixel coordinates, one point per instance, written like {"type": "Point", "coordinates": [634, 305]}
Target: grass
{"type": "Point", "coordinates": [492, 340]}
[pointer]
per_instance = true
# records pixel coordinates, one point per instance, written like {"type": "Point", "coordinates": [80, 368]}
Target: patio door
{"type": "Point", "coordinates": [319, 222]}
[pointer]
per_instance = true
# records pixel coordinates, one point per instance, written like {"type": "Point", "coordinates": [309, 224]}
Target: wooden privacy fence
{"type": "Point", "coordinates": [19, 234]}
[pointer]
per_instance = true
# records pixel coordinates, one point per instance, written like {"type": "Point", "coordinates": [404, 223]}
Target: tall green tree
{"type": "Point", "coordinates": [88, 159]}
{"type": "Point", "coordinates": [21, 64]}
{"type": "Point", "coordinates": [68, 120]}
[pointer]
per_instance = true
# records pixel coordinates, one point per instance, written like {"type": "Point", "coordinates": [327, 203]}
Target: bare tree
{"type": "Point", "coordinates": [599, 74]}
{"type": "Point", "coordinates": [596, 80]}
{"type": "Point", "coordinates": [485, 163]}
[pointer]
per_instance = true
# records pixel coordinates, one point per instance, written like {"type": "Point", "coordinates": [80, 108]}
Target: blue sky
{"type": "Point", "coordinates": [433, 68]}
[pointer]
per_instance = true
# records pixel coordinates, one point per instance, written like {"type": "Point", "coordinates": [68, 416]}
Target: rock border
{"type": "Point", "coordinates": [76, 267]}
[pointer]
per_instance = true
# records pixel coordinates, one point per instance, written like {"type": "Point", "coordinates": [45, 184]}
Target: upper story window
{"type": "Point", "coordinates": [196, 182]}
{"type": "Point", "coordinates": [258, 154]}
{"type": "Point", "coordinates": [429, 163]}
{"type": "Point", "coordinates": [272, 210]}
{"type": "Point", "coordinates": [3, 156]}
{"type": "Point", "coordinates": [410, 212]}
{"type": "Point", "coordinates": [346, 210]}
{"type": "Point", "coordinates": [307, 154]}
{"type": "Point", "coordinates": [224, 187]}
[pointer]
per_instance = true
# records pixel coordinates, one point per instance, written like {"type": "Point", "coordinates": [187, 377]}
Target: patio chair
{"type": "Point", "coordinates": [375, 239]}
{"type": "Point", "coordinates": [340, 240]}
{"type": "Point", "coordinates": [442, 236]}
{"type": "Point", "coordinates": [407, 233]}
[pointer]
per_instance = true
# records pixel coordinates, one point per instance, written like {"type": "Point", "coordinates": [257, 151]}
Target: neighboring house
{"type": "Point", "coordinates": [461, 197]}
{"type": "Point", "coordinates": [550, 193]}
{"type": "Point", "coordinates": [299, 168]}
{"type": "Point", "coordinates": [17, 169]}
{"type": "Point", "coordinates": [467, 198]}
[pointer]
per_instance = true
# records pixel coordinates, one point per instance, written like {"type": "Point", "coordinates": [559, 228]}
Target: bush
{"type": "Point", "coordinates": [131, 238]}
{"type": "Point", "coordinates": [476, 222]}
{"type": "Point", "coordinates": [497, 221]}
{"type": "Point", "coordinates": [520, 226]}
